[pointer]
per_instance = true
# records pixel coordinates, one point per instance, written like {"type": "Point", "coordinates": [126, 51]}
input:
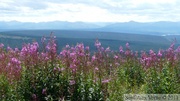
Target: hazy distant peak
{"type": "Point", "coordinates": [155, 28]}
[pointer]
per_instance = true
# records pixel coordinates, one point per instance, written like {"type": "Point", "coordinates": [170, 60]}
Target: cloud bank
{"type": "Point", "coordinates": [90, 10]}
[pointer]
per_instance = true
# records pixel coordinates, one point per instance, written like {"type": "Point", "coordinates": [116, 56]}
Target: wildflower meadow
{"type": "Point", "coordinates": [38, 72]}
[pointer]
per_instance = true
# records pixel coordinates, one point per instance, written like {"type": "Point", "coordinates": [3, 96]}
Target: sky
{"type": "Point", "coordinates": [89, 10]}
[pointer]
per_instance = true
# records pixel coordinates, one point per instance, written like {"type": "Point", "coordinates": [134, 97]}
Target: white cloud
{"type": "Point", "coordinates": [90, 10]}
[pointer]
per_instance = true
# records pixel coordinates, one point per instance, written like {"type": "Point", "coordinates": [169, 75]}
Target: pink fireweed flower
{"type": "Point", "coordinates": [48, 47]}
{"type": "Point", "coordinates": [44, 91]}
{"type": "Point", "coordinates": [35, 44]}
{"type": "Point", "coordinates": [93, 58]}
{"type": "Point", "coordinates": [146, 60]}
{"type": "Point", "coordinates": [13, 68]}
{"type": "Point", "coordinates": [72, 82]}
{"type": "Point", "coordinates": [61, 69]}
{"type": "Point", "coordinates": [102, 49]}
{"type": "Point", "coordinates": [88, 63]}
{"type": "Point", "coordinates": [2, 56]}
{"type": "Point", "coordinates": [172, 45]}
{"type": "Point", "coordinates": [80, 50]}
{"type": "Point", "coordinates": [81, 54]}
{"type": "Point", "coordinates": [88, 55]}
{"type": "Point", "coordinates": [16, 50]}
{"type": "Point", "coordinates": [73, 49]}
{"type": "Point", "coordinates": [51, 47]}
{"type": "Point", "coordinates": [106, 81]}
{"type": "Point", "coordinates": [9, 48]}
{"type": "Point", "coordinates": [67, 46]}
{"type": "Point", "coordinates": [96, 68]}
{"type": "Point", "coordinates": [115, 57]}
{"type": "Point", "coordinates": [75, 61]}
{"type": "Point", "coordinates": [15, 61]}
{"type": "Point", "coordinates": [29, 53]}
{"type": "Point", "coordinates": [58, 69]}
{"type": "Point", "coordinates": [159, 53]}
{"type": "Point", "coordinates": [136, 53]}
{"type": "Point", "coordinates": [107, 49]}
{"type": "Point", "coordinates": [127, 46]}
{"type": "Point", "coordinates": [43, 39]}
{"type": "Point", "coordinates": [117, 64]}
{"type": "Point", "coordinates": [170, 52]}
{"type": "Point", "coordinates": [72, 55]}
{"type": "Point", "coordinates": [30, 49]}
{"type": "Point", "coordinates": [34, 97]}
{"type": "Point", "coordinates": [97, 43]}
{"type": "Point", "coordinates": [177, 50]}
{"type": "Point", "coordinates": [24, 50]}
{"type": "Point", "coordinates": [1, 45]}
{"type": "Point", "coordinates": [143, 54]}
{"type": "Point", "coordinates": [63, 53]}
{"type": "Point", "coordinates": [33, 48]}
{"type": "Point", "coordinates": [152, 53]}
{"type": "Point", "coordinates": [44, 57]}
{"type": "Point", "coordinates": [107, 55]}
{"type": "Point", "coordinates": [127, 52]}
{"type": "Point", "coordinates": [55, 69]}
{"type": "Point", "coordinates": [80, 46]}
{"type": "Point", "coordinates": [121, 49]}
{"type": "Point", "coordinates": [110, 65]}
{"type": "Point", "coordinates": [73, 66]}
{"type": "Point", "coordinates": [171, 48]}
{"type": "Point", "coordinates": [87, 48]}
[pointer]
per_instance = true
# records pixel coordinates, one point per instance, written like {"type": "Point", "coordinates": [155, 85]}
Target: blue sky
{"type": "Point", "coordinates": [90, 10]}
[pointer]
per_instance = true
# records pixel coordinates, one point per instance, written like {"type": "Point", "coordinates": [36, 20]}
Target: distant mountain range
{"type": "Point", "coordinates": [47, 25]}
{"type": "Point", "coordinates": [152, 28]}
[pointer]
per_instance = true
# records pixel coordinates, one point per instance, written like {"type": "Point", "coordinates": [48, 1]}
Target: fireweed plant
{"type": "Point", "coordinates": [39, 73]}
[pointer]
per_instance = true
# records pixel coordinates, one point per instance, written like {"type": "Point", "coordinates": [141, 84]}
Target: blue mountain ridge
{"type": "Point", "coordinates": [152, 28]}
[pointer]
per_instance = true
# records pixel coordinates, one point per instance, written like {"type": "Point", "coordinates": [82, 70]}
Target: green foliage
{"type": "Point", "coordinates": [4, 87]}
{"type": "Point", "coordinates": [44, 83]}
{"type": "Point", "coordinates": [129, 78]}
{"type": "Point", "coordinates": [162, 82]}
{"type": "Point", "coordinates": [34, 74]}
{"type": "Point", "coordinates": [87, 90]}
{"type": "Point", "coordinates": [8, 90]}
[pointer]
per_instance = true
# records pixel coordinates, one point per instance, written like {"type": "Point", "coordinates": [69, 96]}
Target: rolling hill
{"type": "Point", "coordinates": [141, 36]}
{"type": "Point", "coordinates": [71, 37]}
{"type": "Point", "coordinates": [148, 28]}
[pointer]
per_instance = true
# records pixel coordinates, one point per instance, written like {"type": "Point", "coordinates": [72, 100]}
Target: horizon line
{"type": "Point", "coordinates": [88, 22]}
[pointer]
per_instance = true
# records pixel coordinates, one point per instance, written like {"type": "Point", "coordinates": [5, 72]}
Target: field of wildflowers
{"type": "Point", "coordinates": [39, 73]}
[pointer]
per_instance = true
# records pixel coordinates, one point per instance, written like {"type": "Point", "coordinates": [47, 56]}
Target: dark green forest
{"type": "Point", "coordinates": [72, 37]}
